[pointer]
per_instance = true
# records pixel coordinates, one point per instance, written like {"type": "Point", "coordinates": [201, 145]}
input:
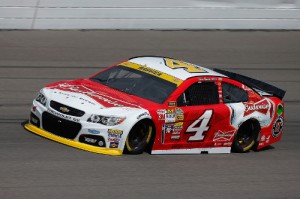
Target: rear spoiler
{"type": "Point", "coordinates": [253, 83]}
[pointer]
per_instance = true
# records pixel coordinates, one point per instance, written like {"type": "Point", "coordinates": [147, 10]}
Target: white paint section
{"type": "Point", "coordinates": [155, 14]}
{"type": "Point", "coordinates": [193, 151]}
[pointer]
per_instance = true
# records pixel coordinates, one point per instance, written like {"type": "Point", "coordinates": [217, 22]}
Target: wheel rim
{"type": "Point", "coordinates": [245, 138]}
{"type": "Point", "coordinates": [138, 137]}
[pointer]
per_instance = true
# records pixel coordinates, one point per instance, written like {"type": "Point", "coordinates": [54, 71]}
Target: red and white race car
{"type": "Point", "coordinates": [161, 104]}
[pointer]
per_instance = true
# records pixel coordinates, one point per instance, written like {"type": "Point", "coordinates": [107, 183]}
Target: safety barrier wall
{"type": "Point", "coordinates": [149, 14]}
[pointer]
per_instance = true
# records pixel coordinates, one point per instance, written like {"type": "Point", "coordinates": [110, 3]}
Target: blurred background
{"type": "Point", "coordinates": [146, 14]}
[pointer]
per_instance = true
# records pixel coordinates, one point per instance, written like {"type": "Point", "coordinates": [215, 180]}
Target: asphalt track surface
{"type": "Point", "coordinates": [34, 167]}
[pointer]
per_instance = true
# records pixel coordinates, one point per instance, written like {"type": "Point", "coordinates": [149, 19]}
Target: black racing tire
{"type": "Point", "coordinates": [139, 137]}
{"type": "Point", "coordinates": [246, 137]}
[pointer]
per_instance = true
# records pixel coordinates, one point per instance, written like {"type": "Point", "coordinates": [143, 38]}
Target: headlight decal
{"type": "Point", "coordinates": [106, 120]}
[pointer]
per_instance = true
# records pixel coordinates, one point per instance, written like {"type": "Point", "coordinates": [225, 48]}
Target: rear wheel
{"type": "Point", "coordinates": [246, 136]}
{"type": "Point", "coordinates": [139, 137]}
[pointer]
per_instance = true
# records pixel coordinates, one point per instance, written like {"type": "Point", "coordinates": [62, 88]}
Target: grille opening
{"type": "Point", "coordinates": [61, 127]}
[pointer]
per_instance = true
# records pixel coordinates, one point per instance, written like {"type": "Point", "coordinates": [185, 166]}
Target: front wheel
{"type": "Point", "coordinates": [246, 136]}
{"type": "Point", "coordinates": [139, 137]}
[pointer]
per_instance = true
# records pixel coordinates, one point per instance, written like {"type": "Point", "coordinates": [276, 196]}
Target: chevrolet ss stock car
{"type": "Point", "coordinates": [162, 105]}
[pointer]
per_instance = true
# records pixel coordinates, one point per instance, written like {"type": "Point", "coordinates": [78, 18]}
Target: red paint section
{"type": "Point", "coordinates": [274, 131]}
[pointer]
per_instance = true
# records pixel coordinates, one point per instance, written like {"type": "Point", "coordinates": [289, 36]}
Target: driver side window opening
{"type": "Point", "coordinates": [200, 93]}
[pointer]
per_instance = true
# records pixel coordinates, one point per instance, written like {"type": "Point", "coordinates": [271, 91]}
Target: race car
{"type": "Point", "coordinates": [161, 105]}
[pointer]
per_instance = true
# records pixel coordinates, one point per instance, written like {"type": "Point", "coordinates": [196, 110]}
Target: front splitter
{"type": "Point", "coordinates": [72, 143]}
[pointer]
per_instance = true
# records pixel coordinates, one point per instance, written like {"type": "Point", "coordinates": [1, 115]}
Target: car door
{"type": "Point", "coordinates": [202, 120]}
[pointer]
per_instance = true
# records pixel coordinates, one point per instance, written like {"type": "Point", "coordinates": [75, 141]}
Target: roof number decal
{"type": "Point", "coordinates": [175, 64]}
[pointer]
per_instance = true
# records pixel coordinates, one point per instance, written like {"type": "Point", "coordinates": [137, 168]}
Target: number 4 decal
{"type": "Point", "coordinates": [203, 120]}
{"type": "Point", "coordinates": [175, 64]}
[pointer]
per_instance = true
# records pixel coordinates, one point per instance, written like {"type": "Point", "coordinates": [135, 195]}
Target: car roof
{"type": "Point", "coordinates": [176, 68]}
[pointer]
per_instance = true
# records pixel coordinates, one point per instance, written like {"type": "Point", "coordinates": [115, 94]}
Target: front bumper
{"type": "Point", "coordinates": [72, 143]}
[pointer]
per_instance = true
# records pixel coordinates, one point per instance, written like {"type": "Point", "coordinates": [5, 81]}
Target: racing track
{"type": "Point", "coordinates": [34, 167]}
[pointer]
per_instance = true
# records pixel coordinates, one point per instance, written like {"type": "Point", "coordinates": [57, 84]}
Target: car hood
{"type": "Point", "coordinates": [92, 97]}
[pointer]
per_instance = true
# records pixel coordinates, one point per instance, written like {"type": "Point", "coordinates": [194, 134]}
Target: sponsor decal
{"type": "Point", "coordinates": [94, 140]}
{"type": "Point", "coordinates": [145, 114]}
{"type": "Point", "coordinates": [114, 135]}
{"type": "Point", "coordinates": [153, 72]}
{"type": "Point", "coordinates": [200, 79]}
{"type": "Point", "coordinates": [169, 128]}
{"type": "Point", "coordinates": [277, 127]}
{"type": "Point", "coordinates": [93, 131]}
{"type": "Point", "coordinates": [261, 107]}
{"type": "Point", "coordinates": [175, 137]}
{"type": "Point", "coordinates": [150, 70]}
{"type": "Point", "coordinates": [169, 111]}
{"type": "Point", "coordinates": [170, 116]}
{"type": "Point", "coordinates": [114, 131]}
{"type": "Point", "coordinates": [176, 132]}
{"type": "Point", "coordinates": [178, 111]}
{"type": "Point", "coordinates": [173, 130]}
{"type": "Point", "coordinates": [113, 139]}
{"type": "Point", "coordinates": [178, 126]}
{"type": "Point", "coordinates": [217, 144]}
{"type": "Point", "coordinates": [268, 139]}
{"type": "Point", "coordinates": [179, 114]}
{"type": "Point", "coordinates": [90, 140]}
{"type": "Point", "coordinates": [113, 145]}
{"type": "Point", "coordinates": [246, 88]}
{"type": "Point", "coordinates": [171, 103]}
{"type": "Point", "coordinates": [227, 144]}
{"type": "Point", "coordinates": [179, 117]}
{"type": "Point", "coordinates": [74, 96]}
{"type": "Point", "coordinates": [224, 136]}
{"type": "Point", "coordinates": [161, 114]}
{"type": "Point", "coordinates": [93, 94]}
{"type": "Point", "coordinates": [264, 139]}
{"type": "Point", "coordinates": [67, 117]}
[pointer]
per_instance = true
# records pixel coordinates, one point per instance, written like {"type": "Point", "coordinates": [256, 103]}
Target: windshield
{"type": "Point", "coordinates": [136, 83]}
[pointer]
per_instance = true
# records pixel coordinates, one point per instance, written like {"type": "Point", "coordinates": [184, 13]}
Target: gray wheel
{"type": "Point", "coordinates": [246, 136]}
{"type": "Point", "coordinates": [139, 137]}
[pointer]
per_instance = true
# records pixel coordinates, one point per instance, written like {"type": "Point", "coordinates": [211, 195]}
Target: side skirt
{"type": "Point", "coordinates": [193, 151]}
